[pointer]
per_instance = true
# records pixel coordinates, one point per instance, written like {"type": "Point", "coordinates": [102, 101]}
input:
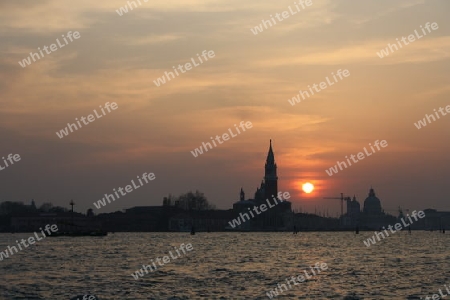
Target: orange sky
{"type": "Point", "coordinates": [250, 78]}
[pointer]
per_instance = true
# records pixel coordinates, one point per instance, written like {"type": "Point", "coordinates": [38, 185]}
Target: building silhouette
{"type": "Point", "coordinates": [372, 205]}
{"type": "Point", "coordinates": [352, 218]}
{"type": "Point", "coordinates": [372, 216]}
{"type": "Point", "coordinates": [278, 217]}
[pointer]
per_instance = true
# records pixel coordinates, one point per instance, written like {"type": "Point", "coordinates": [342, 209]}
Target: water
{"type": "Point", "coordinates": [227, 266]}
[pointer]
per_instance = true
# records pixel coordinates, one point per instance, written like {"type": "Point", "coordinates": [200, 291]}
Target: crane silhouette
{"type": "Point", "coordinates": [342, 201]}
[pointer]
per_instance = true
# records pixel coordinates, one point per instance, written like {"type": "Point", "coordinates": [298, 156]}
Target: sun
{"type": "Point", "coordinates": [308, 187]}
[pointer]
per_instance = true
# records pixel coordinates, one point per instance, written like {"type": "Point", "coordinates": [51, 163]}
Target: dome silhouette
{"type": "Point", "coordinates": [372, 205]}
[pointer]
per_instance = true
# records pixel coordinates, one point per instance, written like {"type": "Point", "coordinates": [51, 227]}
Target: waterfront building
{"type": "Point", "coordinates": [278, 217]}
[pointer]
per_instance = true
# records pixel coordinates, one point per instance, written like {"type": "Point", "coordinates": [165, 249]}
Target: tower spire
{"type": "Point", "coordinates": [270, 178]}
{"type": "Point", "coordinates": [270, 156]}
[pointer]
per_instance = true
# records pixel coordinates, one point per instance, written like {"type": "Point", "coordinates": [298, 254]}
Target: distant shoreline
{"type": "Point", "coordinates": [243, 231]}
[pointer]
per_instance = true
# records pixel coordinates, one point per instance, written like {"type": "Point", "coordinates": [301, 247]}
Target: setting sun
{"type": "Point", "coordinates": [308, 187]}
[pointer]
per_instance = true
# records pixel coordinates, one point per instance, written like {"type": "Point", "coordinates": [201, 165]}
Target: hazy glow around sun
{"type": "Point", "coordinates": [308, 187]}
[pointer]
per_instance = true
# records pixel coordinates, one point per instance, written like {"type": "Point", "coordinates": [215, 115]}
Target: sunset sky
{"type": "Point", "coordinates": [251, 78]}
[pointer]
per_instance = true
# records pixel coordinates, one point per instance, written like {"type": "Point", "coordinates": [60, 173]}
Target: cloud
{"type": "Point", "coordinates": [428, 49]}
{"type": "Point", "coordinates": [250, 78]}
{"type": "Point", "coordinates": [148, 40]}
{"type": "Point", "coordinates": [382, 10]}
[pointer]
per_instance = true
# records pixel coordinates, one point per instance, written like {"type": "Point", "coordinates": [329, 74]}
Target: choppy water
{"type": "Point", "coordinates": [227, 266]}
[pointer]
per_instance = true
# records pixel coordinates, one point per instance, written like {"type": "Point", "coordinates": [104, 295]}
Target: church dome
{"type": "Point", "coordinates": [372, 204]}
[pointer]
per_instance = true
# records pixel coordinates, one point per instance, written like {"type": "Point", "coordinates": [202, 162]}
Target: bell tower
{"type": "Point", "coordinates": [270, 177]}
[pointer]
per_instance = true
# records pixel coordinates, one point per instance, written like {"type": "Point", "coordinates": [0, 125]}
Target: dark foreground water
{"type": "Point", "coordinates": [227, 266]}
